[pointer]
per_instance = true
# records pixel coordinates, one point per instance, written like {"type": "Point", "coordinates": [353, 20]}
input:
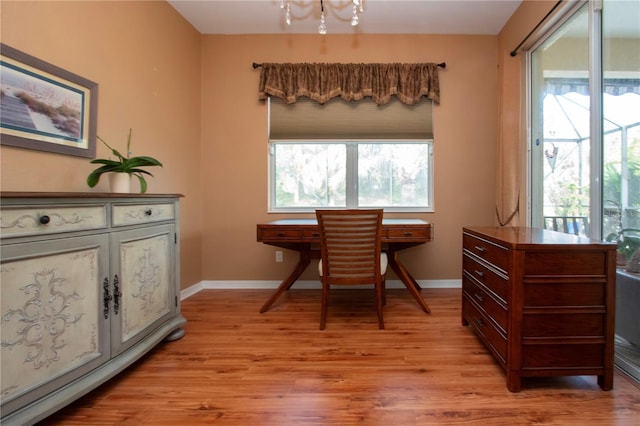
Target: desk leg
{"type": "Point", "coordinates": [305, 259]}
{"type": "Point", "coordinates": [407, 280]}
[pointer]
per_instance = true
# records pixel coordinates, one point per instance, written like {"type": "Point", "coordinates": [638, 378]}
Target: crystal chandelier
{"type": "Point", "coordinates": [322, 28]}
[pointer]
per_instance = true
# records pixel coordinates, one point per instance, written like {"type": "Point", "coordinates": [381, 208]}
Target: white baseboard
{"type": "Point", "coordinates": [313, 284]}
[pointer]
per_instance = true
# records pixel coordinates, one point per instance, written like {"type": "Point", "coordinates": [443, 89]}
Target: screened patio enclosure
{"type": "Point", "coordinates": [567, 158]}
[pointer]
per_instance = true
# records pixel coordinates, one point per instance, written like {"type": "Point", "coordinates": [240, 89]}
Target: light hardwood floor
{"type": "Point", "coordinates": [236, 366]}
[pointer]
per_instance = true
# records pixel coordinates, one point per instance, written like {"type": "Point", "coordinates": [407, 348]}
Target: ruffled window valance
{"type": "Point", "coordinates": [351, 82]}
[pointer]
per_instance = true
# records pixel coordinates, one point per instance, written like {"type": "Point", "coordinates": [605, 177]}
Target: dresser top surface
{"type": "Point", "coordinates": [522, 236]}
{"type": "Point", "coordinates": [56, 195]}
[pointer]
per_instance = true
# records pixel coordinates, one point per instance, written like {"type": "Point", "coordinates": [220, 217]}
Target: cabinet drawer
{"type": "Point", "coordinates": [485, 302]}
{"type": "Point", "coordinates": [492, 253]}
{"type": "Point", "coordinates": [494, 340]}
{"type": "Point", "coordinates": [490, 279]}
{"type": "Point", "coordinates": [408, 234]}
{"type": "Point", "coordinates": [130, 214]}
{"type": "Point", "coordinates": [37, 220]}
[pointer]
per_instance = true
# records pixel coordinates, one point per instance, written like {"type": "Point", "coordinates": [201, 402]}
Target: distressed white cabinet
{"type": "Point", "coordinates": [88, 284]}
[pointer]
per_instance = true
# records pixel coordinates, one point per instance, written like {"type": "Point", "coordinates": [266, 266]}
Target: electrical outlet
{"type": "Point", "coordinates": [279, 256]}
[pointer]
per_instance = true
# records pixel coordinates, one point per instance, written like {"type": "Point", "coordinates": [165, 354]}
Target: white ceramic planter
{"type": "Point", "coordinates": [120, 182]}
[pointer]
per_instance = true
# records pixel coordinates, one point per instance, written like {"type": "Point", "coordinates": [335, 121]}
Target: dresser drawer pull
{"type": "Point", "coordinates": [480, 249]}
{"type": "Point", "coordinates": [479, 273]}
{"type": "Point", "coordinates": [44, 219]}
{"type": "Point", "coordinates": [281, 234]}
{"type": "Point", "coordinates": [480, 297]}
{"type": "Point", "coordinates": [479, 322]}
{"type": "Point", "coordinates": [148, 212]}
{"type": "Point", "coordinates": [408, 234]}
{"type": "Point", "coordinates": [315, 234]}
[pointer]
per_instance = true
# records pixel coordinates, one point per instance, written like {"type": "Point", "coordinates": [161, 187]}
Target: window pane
{"type": "Point", "coordinates": [395, 175]}
{"type": "Point", "coordinates": [309, 175]}
{"type": "Point", "coordinates": [560, 129]}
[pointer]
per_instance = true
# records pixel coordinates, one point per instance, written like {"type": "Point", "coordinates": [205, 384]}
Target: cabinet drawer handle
{"type": "Point", "coordinates": [106, 297]}
{"type": "Point", "coordinates": [315, 234]}
{"type": "Point", "coordinates": [148, 212]}
{"type": "Point", "coordinates": [44, 219]}
{"type": "Point", "coordinates": [408, 234]}
{"type": "Point", "coordinates": [479, 273]}
{"type": "Point", "coordinates": [281, 234]}
{"type": "Point", "coordinates": [116, 294]}
{"type": "Point", "coordinates": [480, 297]}
{"type": "Point", "coordinates": [480, 249]}
{"type": "Point", "coordinates": [479, 322]}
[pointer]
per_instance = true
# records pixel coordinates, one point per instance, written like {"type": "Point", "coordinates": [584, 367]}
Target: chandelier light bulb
{"type": "Point", "coordinates": [288, 15]}
{"type": "Point", "coordinates": [354, 18]}
{"type": "Point", "coordinates": [322, 29]}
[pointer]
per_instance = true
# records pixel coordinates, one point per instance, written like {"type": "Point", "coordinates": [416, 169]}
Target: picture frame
{"type": "Point", "coordinates": [44, 107]}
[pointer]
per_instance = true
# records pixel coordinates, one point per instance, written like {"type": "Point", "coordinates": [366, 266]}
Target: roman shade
{"type": "Point", "coordinates": [339, 120]}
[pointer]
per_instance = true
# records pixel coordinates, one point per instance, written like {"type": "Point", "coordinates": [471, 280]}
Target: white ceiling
{"type": "Point", "coordinates": [379, 17]}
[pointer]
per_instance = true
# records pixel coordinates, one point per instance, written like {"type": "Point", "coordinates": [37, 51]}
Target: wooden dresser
{"type": "Point", "coordinates": [543, 302]}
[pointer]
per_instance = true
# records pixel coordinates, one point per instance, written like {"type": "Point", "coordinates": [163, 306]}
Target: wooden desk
{"type": "Point", "coordinates": [303, 236]}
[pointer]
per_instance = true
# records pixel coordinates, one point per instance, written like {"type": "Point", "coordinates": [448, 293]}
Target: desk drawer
{"type": "Point", "coordinates": [36, 220]}
{"type": "Point", "coordinates": [129, 214]}
{"type": "Point", "coordinates": [278, 234]}
{"type": "Point", "coordinates": [409, 233]}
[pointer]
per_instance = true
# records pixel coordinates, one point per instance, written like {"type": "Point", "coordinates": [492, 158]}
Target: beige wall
{"type": "Point", "coordinates": [159, 76]}
{"type": "Point", "coordinates": [146, 60]}
{"type": "Point", "coordinates": [235, 143]}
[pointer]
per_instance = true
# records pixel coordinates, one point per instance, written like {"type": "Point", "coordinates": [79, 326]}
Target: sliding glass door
{"type": "Point", "coordinates": [560, 136]}
{"type": "Point", "coordinates": [584, 157]}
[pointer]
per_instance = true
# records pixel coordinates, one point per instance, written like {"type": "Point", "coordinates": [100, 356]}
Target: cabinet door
{"type": "Point", "coordinates": [52, 315]}
{"type": "Point", "coordinates": [143, 263]}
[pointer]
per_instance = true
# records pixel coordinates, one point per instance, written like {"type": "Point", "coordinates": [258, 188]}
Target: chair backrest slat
{"type": "Point", "coordinates": [350, 245]}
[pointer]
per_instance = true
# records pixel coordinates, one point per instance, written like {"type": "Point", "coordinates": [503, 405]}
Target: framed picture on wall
{"type": "Point", "coordinates": [44, 107]}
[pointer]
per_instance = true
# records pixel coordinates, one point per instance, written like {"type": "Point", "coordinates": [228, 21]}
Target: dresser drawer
{"type": "Point", "coordinates": [567, 324]}
{"type": "Point", "coordinates": [492, 253]}
{"type": "Point", "coordinates": [557, 356]}
{"type": "Point", "coordinates": [485, 302]}
{"type": "Point", "coordinates": [565, 263]}
{"type": "Point", "coordinates": [489, 278]}
{"type": "Point", "coordinates": [36, 220]}
{"type": "Point", "coordinates": [494, 340]}
{"type": "Point", "coordinates": [559, 292]}
{"type": "Point", "coordinates": [130, 214]}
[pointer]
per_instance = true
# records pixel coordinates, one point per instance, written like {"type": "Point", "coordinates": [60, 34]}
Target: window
{"type": "Point", "coordinates": [350, 155]}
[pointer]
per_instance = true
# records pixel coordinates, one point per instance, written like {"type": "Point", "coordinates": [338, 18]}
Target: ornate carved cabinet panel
{"type": "Point", "coordinates": [52, 324]}
{"type": "Point", "coordinates": [147, 295]}
{"type": "Point", "coordinates": [543, 302]}
{"type": "Point", "coordinates": [88, 284]}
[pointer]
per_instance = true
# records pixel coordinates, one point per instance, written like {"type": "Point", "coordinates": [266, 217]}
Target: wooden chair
{"type": "Point", "coordinates": [351, 249]}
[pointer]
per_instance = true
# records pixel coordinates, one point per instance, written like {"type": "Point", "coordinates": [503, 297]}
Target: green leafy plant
{"type": "Point", "coordinates": [128, 164]}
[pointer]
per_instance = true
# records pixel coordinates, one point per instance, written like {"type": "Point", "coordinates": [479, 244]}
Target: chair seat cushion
{"type": "Point", "coordinates": [383, 264]}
